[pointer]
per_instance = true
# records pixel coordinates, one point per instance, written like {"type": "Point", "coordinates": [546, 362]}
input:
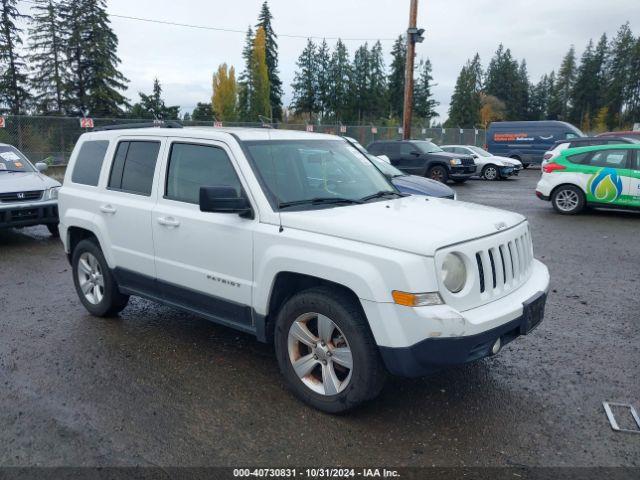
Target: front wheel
{"type": "Point", "coordinates": [95, 285]}
{"type": "Point", "coordinates": [568, 200]}
{"type": "Point", "coordinates": [490, 172]}
{"type": "Point", "coordinates": [438, 173]}
{"type": "Point", "coordinates": [326, 352]}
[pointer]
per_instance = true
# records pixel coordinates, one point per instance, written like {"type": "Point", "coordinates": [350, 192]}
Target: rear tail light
{"type": "Point", "coordinates": [552, 167]}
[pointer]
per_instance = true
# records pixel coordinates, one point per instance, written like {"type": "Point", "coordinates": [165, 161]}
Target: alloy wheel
{"type": "Point", "coordinates": [320, 354]}
{"type": "Point", "coordinates": [490, 173]}
{"type": "Point", "coordinates": [567, 200]}
{"type": "Point", "coordinates": [90, 278]}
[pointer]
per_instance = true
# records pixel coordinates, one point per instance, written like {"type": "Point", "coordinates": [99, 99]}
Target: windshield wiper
{"type": "Point", "coordinates": [318, 201]}
{"type": "Point", "coordinates": [381, 194]}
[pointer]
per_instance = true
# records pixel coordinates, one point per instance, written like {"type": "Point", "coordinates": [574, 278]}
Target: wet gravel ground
{"type": "Point", "coordinates": [161, 387]}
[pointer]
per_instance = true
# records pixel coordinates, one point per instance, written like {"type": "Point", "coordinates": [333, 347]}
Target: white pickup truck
{"type": "Point", "coordinates": [298, 239]}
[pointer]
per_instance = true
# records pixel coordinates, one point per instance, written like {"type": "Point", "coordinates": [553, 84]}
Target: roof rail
{"type": "Point", "coordinates": [128, 126]}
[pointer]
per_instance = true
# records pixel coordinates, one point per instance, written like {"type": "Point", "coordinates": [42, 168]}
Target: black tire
{"type": "Point", "coordinates": [490, 172]}
{"type": "Point", "coordinates": [112, 301]}
{"type": "Point", "coordinates": [438, 173]}
{"type": "Point", "coordinates": [568, 200]}
{"type": "Point", "coordinates": [53, 230]}
{"type": "Point", "coordinates": [367, 374]}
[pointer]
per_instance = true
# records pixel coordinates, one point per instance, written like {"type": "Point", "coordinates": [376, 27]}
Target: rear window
{"type": "Point", "coordinates": [13, 161]}
{"type": "Point", "coordinates": [89, 162]}
{"type": "Point", "coordinates": [133, 167]}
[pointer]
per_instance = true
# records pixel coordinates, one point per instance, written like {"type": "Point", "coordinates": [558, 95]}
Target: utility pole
{"type": "Point", "coordinates": [414, 35]}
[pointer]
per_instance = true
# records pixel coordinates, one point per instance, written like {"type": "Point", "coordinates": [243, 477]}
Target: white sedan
{"type": "Point", "coordinates": [490, 167]}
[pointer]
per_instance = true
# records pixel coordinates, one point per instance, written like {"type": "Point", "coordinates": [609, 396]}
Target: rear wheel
{"type": "Point", "coordinates": [95, 285]}
{"type": "Point", "coordinates": [490, 172]}
{"type": "Point", "coordinates": [438, 173]}
{"type": "Point", "coordinates": [326, 352]}
{"type": "Point", "coordinates": [568, 200]}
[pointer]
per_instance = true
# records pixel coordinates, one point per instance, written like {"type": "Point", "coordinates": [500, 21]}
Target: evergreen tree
{"type": "Point", "coordinates": [520, 94]}
{"type": "Point", "coordinates": [14, 93]}
{"type": "Point", "coordinates": [425, 105]}
{"type": "Point", "coordinates": [153, 106]}
{"type": "Point", "coordinates": [202, 113]}
{"type": "Point", "coordinates": [360, 82]}
{"type": "Point", "coordinates": [245, 87]}
{"type": "Point", "coordinates": [260, 104]}
{"type": "Point", "coordinates": [504, 81]}
{"type": "Point", "coordinates": [586, 96]}
{"type": "Point", "coordinates": [539, 98]}
{"type": "Point", "coordinates": [633, 95]}
{"type": "Point", "coordinates": [340, 79]}
{"type": "Point", "coordinates": [377, 95]}
{"type": "Point", "coordinates": [95, 82]}
{"type": "Point", "coordinates": [465, 107]}
{"type": "Point", "coordinates": [324, 80]}
{"type": "Point", "coordinates": [397, 77]}
{"type": "Point", "coordinates": [47, 58]}
{"type": "Point", "coordinates": [554, 103]}
{"type": "Point", "coordinates": [271, 40]}
{"type": "Point", "coordinates": [225, 95]}
{"type": "Point", "coordinates": [305, 82]}
{"type": "Point", "coordinates": [564, 84]}
{"type": "Point", "coordinates": [619, 75]}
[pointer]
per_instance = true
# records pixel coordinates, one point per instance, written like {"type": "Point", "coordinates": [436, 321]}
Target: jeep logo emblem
{"type": "Point", "coordinates": [20, 195]}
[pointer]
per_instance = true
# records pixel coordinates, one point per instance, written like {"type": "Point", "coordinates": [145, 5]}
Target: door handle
{"type": "Point", "coordinates": [168, 222]}
{"type": "Point", "coordinates": [108, 209]}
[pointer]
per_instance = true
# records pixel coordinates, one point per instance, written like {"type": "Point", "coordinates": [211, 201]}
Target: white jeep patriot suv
{"type": "Point", "coordinates": [298, 239]}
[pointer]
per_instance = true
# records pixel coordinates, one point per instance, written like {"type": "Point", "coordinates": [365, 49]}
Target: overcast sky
{"type": "Point", "coordinates": [184, 58]}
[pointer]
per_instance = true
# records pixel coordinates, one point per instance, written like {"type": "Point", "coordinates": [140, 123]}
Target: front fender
{"type": "Point", "coordinates": [370, 271]}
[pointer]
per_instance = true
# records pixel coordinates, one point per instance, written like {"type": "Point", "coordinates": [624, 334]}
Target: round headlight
{"type": "Point", "coordinates": [454, 273]}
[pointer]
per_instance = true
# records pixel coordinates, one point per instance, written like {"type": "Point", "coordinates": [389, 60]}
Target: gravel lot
{"type": "Point", "coordinates": [161, 387]}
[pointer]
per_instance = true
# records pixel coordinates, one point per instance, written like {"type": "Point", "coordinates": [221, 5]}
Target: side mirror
{"type": "Point", "coordinates": [41, 167]}
{"type": "Point", "coordinates": [224, 199]}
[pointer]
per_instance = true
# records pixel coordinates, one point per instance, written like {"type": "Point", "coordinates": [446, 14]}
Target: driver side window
{"type": "Point", "coordinates": [406, 149]}
{"type": "Point", "coordinates": [193, 166]}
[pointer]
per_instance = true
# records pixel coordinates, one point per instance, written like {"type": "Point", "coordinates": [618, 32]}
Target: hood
{"type": "Point", "coordinates": [414, 224]}
{"type": "Point", "coordinates": [508, 161]}
{"type": "Point", "coordinates": [422, 186]}
{"type": "Point", "coordinates": [25, 182]}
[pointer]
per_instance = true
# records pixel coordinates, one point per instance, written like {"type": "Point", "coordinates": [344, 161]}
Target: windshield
{"type": "Point", "coordinates": [11, 160]}
{"type": "Point", "coordinates": [385, 167]}
{"type": "Point", "coordinates": [480, 151]}
{"type": "Point", "coordinates": [427, 147]}
{"type": "Point", "coordinates": [304, 170]}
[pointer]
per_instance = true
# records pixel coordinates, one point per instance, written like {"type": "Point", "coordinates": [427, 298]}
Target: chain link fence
{"type": "Point", "coordinates": [51, 139]}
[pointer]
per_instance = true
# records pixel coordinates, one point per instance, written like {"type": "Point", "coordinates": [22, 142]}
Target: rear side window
{"type": "Point", "coordinates": [133, 167]}
{"type": "Point", "coordinates": [86, 170]}
{"type": "Point", "coordinates": [579, 159]}
{"type": "Point", "coordinates": [194, 166]}
{"type": "Point", "coordinates": [609, 158]}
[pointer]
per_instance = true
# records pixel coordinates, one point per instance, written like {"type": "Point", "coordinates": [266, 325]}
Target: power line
{"type": "Point", "coordinates": [230, 30]}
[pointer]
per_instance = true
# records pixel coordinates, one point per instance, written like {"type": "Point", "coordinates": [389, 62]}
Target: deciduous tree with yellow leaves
{"type": "Point", "coordinates": [225, 94]}
{"type": "Point", "coordinates": [259, 99]}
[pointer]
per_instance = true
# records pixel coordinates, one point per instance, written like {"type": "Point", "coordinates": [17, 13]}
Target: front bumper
{"type": "Point", "coordinates": [28, 214]}
{"type": "Point", "coordinates": [507, 171]}
{"type": "Point", "coordinates": [433, 354]}
{"type": "Point", "coordinates": [444, 335]}
{"type": "Point", "coordinates": [462, 172]}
